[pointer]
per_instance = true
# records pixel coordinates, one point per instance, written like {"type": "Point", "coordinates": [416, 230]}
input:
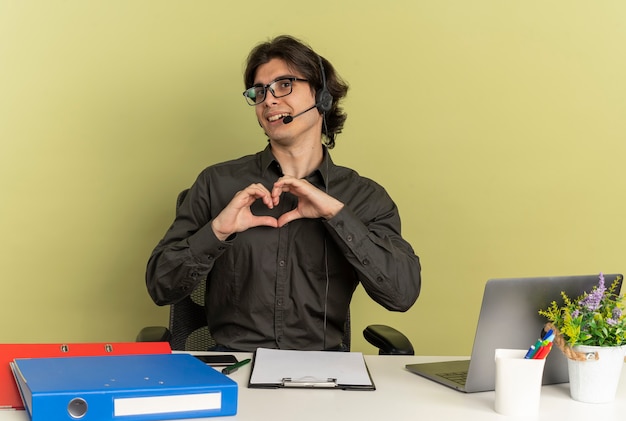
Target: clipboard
{"type": "Point", "coordinates": [278, 368]}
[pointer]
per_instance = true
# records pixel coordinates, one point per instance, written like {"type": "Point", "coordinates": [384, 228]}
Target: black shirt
{"type": "Point", "coordinates": [275, 287]}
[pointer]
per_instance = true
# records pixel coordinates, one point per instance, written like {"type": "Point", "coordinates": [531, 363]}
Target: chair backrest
{"type": "Point", "coordinates": [188, 323]}
{"type": "Point", "coordinates": [188, 320]}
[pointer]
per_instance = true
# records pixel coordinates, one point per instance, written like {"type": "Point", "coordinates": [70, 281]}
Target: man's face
{"type": "Point", "coordinates": [272, 110]}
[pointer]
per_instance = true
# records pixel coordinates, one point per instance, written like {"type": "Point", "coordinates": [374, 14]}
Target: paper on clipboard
{"type": "Point", "coordinates": [288, 368]}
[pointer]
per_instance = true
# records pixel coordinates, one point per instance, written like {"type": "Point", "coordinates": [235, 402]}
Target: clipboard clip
{"type": "Point", "coordinates": [309, 382]}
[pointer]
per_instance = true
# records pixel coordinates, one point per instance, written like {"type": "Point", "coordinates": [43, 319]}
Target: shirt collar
{"type": "Point", "coordinates": [268, 162]}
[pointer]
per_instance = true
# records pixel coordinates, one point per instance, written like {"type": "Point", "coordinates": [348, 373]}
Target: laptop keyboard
{"type": "Point", "coordinates": [458, 377]}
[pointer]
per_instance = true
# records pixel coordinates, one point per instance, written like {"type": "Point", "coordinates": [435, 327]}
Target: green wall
{"type": "Point", "coordinates": [497, 126]}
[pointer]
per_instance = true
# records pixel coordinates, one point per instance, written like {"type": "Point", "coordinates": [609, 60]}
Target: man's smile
{"type": "Point", "coordinates": [276, 117]}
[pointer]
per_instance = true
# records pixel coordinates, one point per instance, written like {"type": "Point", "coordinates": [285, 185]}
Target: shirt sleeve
{"type": "Point", "coordinates": [388, 268]}
{"type": "Point", "coordinates": [182, 260]}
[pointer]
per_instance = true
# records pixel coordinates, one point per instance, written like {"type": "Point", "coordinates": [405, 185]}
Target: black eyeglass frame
{"type": "Point", "coordinates": [268, 87]}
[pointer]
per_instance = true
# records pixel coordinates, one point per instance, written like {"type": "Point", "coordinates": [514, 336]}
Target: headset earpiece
{"type": "Point", "coordinates": [323, 98]}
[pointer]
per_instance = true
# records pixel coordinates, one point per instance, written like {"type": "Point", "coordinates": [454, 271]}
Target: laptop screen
{"type": "Point", "coordinates": [509, 318]}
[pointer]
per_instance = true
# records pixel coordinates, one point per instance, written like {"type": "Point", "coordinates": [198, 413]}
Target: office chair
{"type": "Point", "coordinates": [188, 327]}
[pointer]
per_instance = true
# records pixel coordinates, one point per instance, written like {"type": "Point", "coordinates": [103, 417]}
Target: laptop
{"type": "Point", "coordinates": [509, 319]}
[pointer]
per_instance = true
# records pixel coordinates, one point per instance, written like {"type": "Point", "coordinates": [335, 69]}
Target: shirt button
{"type": "Point", "coordinates": [349, 238]}
{"type": "Point", "coordinates": [366, 262]}
{"type": "Point", "coordinates": [281, 263]}
{"type": "Point", "coordinates": [379, 279]}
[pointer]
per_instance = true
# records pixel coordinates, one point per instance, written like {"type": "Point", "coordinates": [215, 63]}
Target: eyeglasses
{"type": "Point", "coordinates": [279, 88]}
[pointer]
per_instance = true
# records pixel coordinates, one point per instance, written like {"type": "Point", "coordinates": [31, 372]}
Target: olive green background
{"type": "Point", "coordinates": [497, 126]}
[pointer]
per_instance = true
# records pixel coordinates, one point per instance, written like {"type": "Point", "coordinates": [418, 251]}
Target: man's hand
{"type": "Point", "coordinates": [237, 216]}
{"type": "Point", "coordinates": [312, 202]}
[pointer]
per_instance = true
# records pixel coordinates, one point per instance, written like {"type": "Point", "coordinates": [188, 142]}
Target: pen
{"type": "Point", "coordinates": [232, 368]}
{"type": "Point", "coordinates": [543, 352]}
{"type": "Point", "coordinates": [533, 349]}
{"type": "Point", "coordinates": [530, 352]}
{"type": "Point", "coordinates": [547, 335]}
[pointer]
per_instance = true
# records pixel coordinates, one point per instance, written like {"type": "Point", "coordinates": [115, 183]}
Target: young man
{"type": "Point", "coordinates": [283, 237]}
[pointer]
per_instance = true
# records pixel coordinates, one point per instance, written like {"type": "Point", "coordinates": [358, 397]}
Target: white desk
{"type": "Point", "coordinates": [399, 395]}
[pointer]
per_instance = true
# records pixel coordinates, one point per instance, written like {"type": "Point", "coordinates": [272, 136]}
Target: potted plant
{"type": "Point", "coordinates": [591, 332]}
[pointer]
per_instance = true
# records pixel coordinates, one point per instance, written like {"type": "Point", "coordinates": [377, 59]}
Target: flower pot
{"type": "Point", "coordinates": [595, 380]}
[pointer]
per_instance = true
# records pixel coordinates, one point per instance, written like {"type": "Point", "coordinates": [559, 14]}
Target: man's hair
{"type": "Point", "coordinates": [299, 56]}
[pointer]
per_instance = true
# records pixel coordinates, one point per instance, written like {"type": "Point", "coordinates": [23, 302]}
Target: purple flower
{"type": "Point", "coordinates": [575, 313]}
{"type": "Point", "coordinates": [617, 313]}
{"type": "Point", "coordinates": [593, 300]}
{"type": "Point", "coordinates": [612, 322]}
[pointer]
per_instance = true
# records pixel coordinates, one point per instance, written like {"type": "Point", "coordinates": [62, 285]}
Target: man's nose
{"type": "Point", "coordinates": [269, 99]}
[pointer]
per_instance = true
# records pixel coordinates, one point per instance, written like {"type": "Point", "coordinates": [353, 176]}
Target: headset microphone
{"type": "Point", "coordinates": [290, 118]}
{"type": "Point", "coordinates": [323, 98]}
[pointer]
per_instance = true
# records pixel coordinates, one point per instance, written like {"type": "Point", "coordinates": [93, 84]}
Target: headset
{"type": "Point", "coordinates": [323, 99]}
{"type": "Point", "coordinates": [323, 103]}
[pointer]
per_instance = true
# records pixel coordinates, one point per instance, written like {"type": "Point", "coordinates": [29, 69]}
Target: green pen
{"type": "Point", "coordinates": [232, 368]}
{"type": "Point", "coordinates": [533, 349]}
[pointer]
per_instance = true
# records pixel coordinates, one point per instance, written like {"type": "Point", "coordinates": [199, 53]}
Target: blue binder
{"type": "Point", "coordinates": [125, 387]}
